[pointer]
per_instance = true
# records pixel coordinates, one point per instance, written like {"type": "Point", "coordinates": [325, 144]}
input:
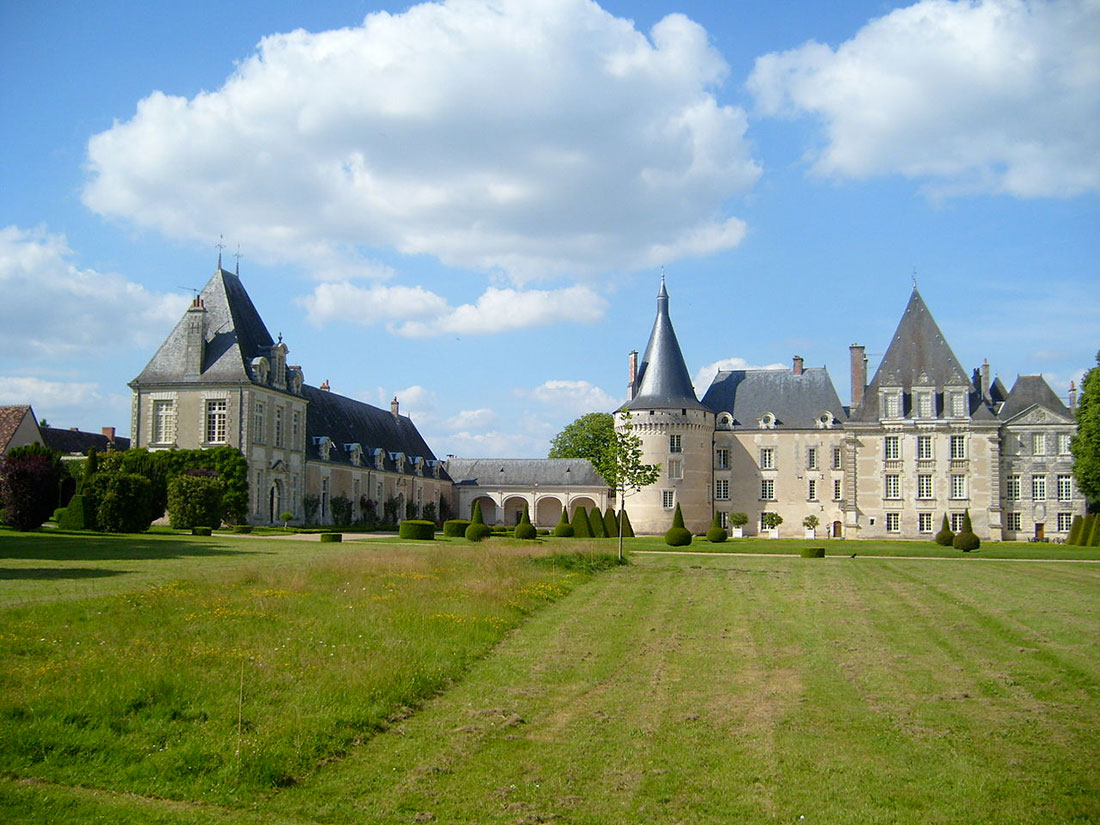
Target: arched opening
{"type": "Point", "coordinates": [513, 509]}
{"type": "Point", "coordinates": [275, 502]}
{"type": "Point", "coordinates": [488, 509]}
{"type": "Point", "coordinates": [837, 532]}
{"type": "Point", "coordinates": [547, 512]}
{"type": "Point", "coordinates": [580, 501]}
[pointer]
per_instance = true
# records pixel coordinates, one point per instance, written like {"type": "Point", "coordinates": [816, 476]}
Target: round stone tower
{"type": "Point", "coordinates": [677, 432]}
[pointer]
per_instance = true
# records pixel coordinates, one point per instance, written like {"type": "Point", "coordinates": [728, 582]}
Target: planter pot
{"type": "Point", "coordinates": [772, 533]}
{"type": "Point", "coordinates": [737, 532]}
{"type": "Point", "coordinates": [811, 533]}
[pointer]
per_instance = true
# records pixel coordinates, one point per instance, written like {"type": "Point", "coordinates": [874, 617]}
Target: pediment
{"type": "Point", "coordinates": [1039, 415]}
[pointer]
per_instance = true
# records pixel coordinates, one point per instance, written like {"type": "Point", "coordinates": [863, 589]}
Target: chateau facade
{"type": "Point", "coordinates": [920, 441]}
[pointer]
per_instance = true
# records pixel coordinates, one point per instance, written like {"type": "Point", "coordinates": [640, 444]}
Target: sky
{"type": "Point", "coordinates": [468, 204]}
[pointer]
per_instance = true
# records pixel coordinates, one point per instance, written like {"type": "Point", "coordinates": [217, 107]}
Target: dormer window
{"type": "Point", "coordinates": [890, 401]}
{"type": "Point", "coordinates": [398, 459]}
{"type": "Point", "coordinates": [724, 421]}
{"type": "Point", "coordinates": [324, 446]}
{"type": "Point", "coordinates": [278, 363]}
{"type": "Point", "coordinates": [766, 421]}
{"type": "Point", "coordinates": [294, 379]}
{"type": "Point", "coordinates": [261, 370]}
{"type": "Point", "coordinates": [825, 420]}
{"type": "Point", "coordinates": [926, 404]}
{"type": "Point", "coordinates": [956, 403]}
{"type": "Point", "coordinates": [379, 458]}
{"type": "Point", "coordinates": [355, 452]}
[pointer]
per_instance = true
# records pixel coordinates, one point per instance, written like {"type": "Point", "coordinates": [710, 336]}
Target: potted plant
{"type": "Point", "coordinates": [737, 524]}
{"type": "Point", "coordinates": [810, 523]}
{"type": "Point", "coordinates": [771, 522]}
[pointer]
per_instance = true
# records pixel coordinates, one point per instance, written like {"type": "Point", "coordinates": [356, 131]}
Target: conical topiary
{"type": "Point", "coordinates": [945, 537]}
{"type": "Point", "coordinates": [1086, 529]}
{"type": "Point", "coordinates": [563, 529]}
{"type": "Point", "coordinates": [610, 526]}
{"type": "Point", "coordinates": [595, 521]}
{"type": "Point", "coordinates": [717, 533]}
{"type": "Point", "coordinates": [478, 529]}
{"type": "Point", "coordinates": [525, 529]}
{"type": "Point", "coordinates": [678, 535]}
{"type": "Point", "coordinates": [582, 529]}
{"type": "Point", "coordinates": [1094, 533]}
{"type": "Point", "coordinates": [90, 467]}
{"type": "Point", "coordinates": [1074, 536]}
{"type": "Point", "coordinates": [967, 539]}
{"type": "Point", "coordinates": [628, 531]}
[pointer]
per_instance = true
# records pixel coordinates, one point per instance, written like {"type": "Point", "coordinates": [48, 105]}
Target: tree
{"type": "Point", "coordinates": [195, 500]}
{"type": "Point", "coordinates": [1086, 443]}
{"type": "Point", "coordinates": [623, 469]}
{"type": "Point", "coordinates": [29, 479]}
{"type": "Point", "coordinates": [587, 437]}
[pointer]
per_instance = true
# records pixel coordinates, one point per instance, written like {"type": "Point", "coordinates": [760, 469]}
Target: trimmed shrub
{"type": "Point", "coordinates": [418, 529]}
{"type": "Point", "coordinates": [582, 527]}
{"type": "Point", "coordinates": [242, 528]}
{"type": "Point", "coordinates": [543, 532]}
{"type": "Point", "coordinates": [595, 522]}
{"type": "Point", "coordinates": [966, 539]}
{"type": "Point", "coordinates": [1086, 530]}
{"type": "Point", "coordinates": [525, 529]}
{"type": "Point", "coordinates": [124, 502]}
{"type": "Point", "coordinates": [330, 537]}
{"type": "Point", "coordinates": [610, 526]}
{"type": "Point", "coordinates": [194, 500]}
{"type": "Point", "coordinates": [813, 552]}
{"type": "Point", "coordinates": [29, 478]}
{"type": "Point", "coordinates": [563, 529]}
{"type": "Point", "coordinates": [199, 530]}
{"type": "Point", "coordinates": [79, 515]}
{"type": "Point", "coordinates": [455, 528]}
{"type": "Point", "coordinates": [628, 531]}
{"type": "Point", "coordinates": [717, 533]}
{"type": "Point", "coordinates": [1094, 533]}
{"type": "Point", "coordinates": [945, 537]}
{"type": "Point", "coordinates": [739, 519]}
{"type": "Point", "coordinates": [678, 535]}
{"type": "Point", "coordinates": [477, 530]}
{"type": "Point", "coordinates": [1074, 536]}
{"type": "Point", "coordinates": [57, 514]}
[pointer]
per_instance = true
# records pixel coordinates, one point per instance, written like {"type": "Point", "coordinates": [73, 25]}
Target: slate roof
{"type": "Point", "coordinates": [11, 416]}
{"type": "Point", "coordinates": [346, 421]}
{"type": "Point", "coordinates": [796, 401]}
{"type": "Point", "coordinates": [235, 334]}
{"type": "Point", "coordinates": [1030, 391]}
{"type": "Point", "coordinates": [524, 472]}
{"type": "Point", "coordinates": [73, 442]}
{"type": "Point", "coordinates": [663, 378]}
{"type": "Point", "coordinates": [918, 356]}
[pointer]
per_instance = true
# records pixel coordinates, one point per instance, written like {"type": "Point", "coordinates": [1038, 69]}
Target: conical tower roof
{"type": "Point", "coordinates": [663, 378]}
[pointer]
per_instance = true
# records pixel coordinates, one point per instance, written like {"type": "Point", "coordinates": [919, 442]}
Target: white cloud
{"type": "Point", "coordinates": [504, 310]}
{"type": "Point", "coordinates": [998, 96]}
{"type": "Point", "coordinates": [471, 419]}
{"type": "Point", "coordinates": [66, 403]}
{"type": "Point", "coordinates": [418, 403]}
{"type": "Point", "coordinates": [531, 137]}
{"type": "Point", "coordinates": [494, 444]}
{"type": "Point", "coordinates": [573, 397]}
{"type": "Point", "coordinates": [705, 374]}
{"type": "Point", "coordinates": [367, 305]}
{"type": "Point", "coordinates": [52, 308]}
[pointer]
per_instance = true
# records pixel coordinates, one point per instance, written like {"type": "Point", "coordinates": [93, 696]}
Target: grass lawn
{"type": "Point", "coordinates": [699, 689]}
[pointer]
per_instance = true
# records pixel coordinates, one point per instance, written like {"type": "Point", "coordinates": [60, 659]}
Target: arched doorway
{"type": "Point", "coordinates": [513, 509]}
{"type": "Point", "coordinates": [837, 532]}
{"type": "Point", "coordinates": [488, 509]}
{"type": "Point", "coordinates": [275, 498]}
{"type": "Point", "coordinates": [580, 501]}
{"type": "Point", "coordinates": [547, 511]}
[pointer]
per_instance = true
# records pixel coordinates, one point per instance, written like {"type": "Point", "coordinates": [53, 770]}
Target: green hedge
{"type": "Point", "coordinates": [242, 528]}
{"type": "Point", "coordinates": [201, 531]}
{"type": "Point", "coordinates": [79, 515]}
{"type": "Point", "coordinates": [417, 529]}
{"type": "Point", "coordinates": [455, 527]}
{"type": "Point", "coordinates": [329, 537]}
{"type": "Point", "coordinates": [813, 552]}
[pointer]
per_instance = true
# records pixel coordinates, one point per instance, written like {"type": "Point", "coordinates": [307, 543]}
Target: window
{"type": "Point", "coordinates": [836, 489]}
{"type": "Point", "coordinates": [723, 519]}
{"type": "Point", "coordinates": [674, 445]}
{"type": "Point", "coordinates": [924, 522]}
{"type": "Point", "coordinates": [1065, 521]}
{"type": "Point", "coordinates": [1039, 488]}
{"type": "Point", "coordinates": [924, 485]}
{"type": "Point", "coordinates": [891, 405]}
{"type": "Point", "coordinates": [811, 458]}
{"type": "Point", "coordinates": [676, 468]}
{"type": "Point", "coordinates": [668, 499]}
{"type": "Point", "coordinates": [763, 519]}
{"type": "Point", "coordinates": [838, 458]}
{"type": "Point", "coordinates": [259, 422]}
{"type": "Point", "coordinates": [924, 448]}
{"type": "Point", "coordinates": [1064, 440]}
{"type": "Point", "coordinates": [1065, 488]}
{"type": "Point", "coordinates": [891, 449]}
{"type": "Point", "coordinates": [924, 405]}
{"type": "Point", "coordinates": [767, 489]}
{"type": "Point", "coordinates": [1012, 521]}
{"type": "Point", "coordinates": [958, 446]}
{"type": "Point", "coordinates": [956, 522]}
{"type": "Point", "coordinates": [1038, 443]}
{"type": "Point", "coordinates": [216, 421]}
{"type": "Point", "coordinates": [893, 486]}
{"type": "Point", "coordinates": [164, 422]}
{"type": "Point", "coordinates": [259, 491]}
{"type": "Point", "coordinates": [958, 486]}
{"type": "Point", "coordinates": [893, 523]}
{"type": "Point", "coordinates": [958, 404]}
{"type": "Point", "coordinates": [1012, 488]}
{"type": "Point", "coordinates": [722, 459]}
{"type": "Point", "coordinates": [767, 458]}
{"type": "Point", "coordinates": [295, 429]}
{"type": "Point", "coordinates": [278, 426]}
{"type": "Point", "coordinates": [722, 489]}
{"type": "Point", "coordinates": [811, 489]}
{"type": "Point", "coordinates": [378, 498]}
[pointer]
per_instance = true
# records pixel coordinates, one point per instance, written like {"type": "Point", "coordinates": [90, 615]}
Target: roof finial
{"type": "Point", "coordinates": [914, 278]}
{"type": "Point", "coordinates": [238, 257]}
{"type": "Point", "coordinates": [221, 245]}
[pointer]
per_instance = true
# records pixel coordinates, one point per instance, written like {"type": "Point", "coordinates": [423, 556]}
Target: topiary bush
{"type": "Point", "coordinates": [1094, 533]}
{"type": "Point", "coordinates": [563, 529]}
{"type": "Point", "coordinates": [945, 537]}
{"type": "Point", "coordinates": [455, 527]}
{"type": "Point", "coordinates": [525, 529]}
{"type": "Point", "coordinates": [478, 530]}
{"type": "Point", "coordinates": [124, 502]}
{"type": "Point", "coordinates": [418, 529]}
{"type": "Point", "coordinates": [199, 530]}
{"type": "Point", "coordinates": [1086, 530]}
{"type": "Point", "coordinates": [79, 515]}
{"type": "Point", "coordinates": [966, 539]}
{"type": "Point", "coordinates": [678, 535]}
{"type": "Point", "coordinates": [595, 523]}
{"type": "Point", "coordinates": [330, 537]}
{"type": "Point", "coordinates": [717, 533]}
{"type": "Point", "coordinates": [582, 527]}
{"type": "Point", "coordinates": [1074, 536]}
{"type": "Point", "coordinates": [195, 499]}
{"type": "Point", "coordinates": [610, 526]}
{"type": "Point", "coordinates": [813, 552]}
{"type": "Point", "coordinates": [242, 528]}
{"type": "Point", "coordinates": [29, 478]}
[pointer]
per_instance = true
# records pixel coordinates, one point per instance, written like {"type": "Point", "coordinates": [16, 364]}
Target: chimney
{"type": "Point", "coordinates": [195, 344]}
{"type": "Point", "coordinates": [797, 366]}
{"type": "Point", "coordinates": [632, 376]}
{"type": "Point", "coordinates": [985, 382]}
{"type": "Point", "coordinates": [859, 373]}
{"type": "Point", "coordinates": [324, 385]}
{"type": "Point", "coordinates": [394, 407]}
{"type": "Point", "coordinates": [110, 433]}
{"type": "Point", "coordinates": [1072, 396]}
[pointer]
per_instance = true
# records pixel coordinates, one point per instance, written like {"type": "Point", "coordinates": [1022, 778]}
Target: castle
{"type": "Point", "coordinates": [920, 441]}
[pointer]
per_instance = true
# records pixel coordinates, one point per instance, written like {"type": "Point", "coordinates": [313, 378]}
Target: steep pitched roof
{"type": "Point", "coordinates": [663, 378]}
{"type": "Point", "coordinates": [11, 418]}
{"type": "Point", "coordinates": [235, 334]}
{"type": "Point", "coordinates": [73, 442]}
{"type": "Point", "coordinates": [796, 401]}
{"type": "Point", "coordinates": [918, 356]}
{"type": "Point", "coordinates": [346, 421]}
{"type": "Point", "coordinates": [1030, 391]}
{"type": "Point", "coordinates": [524, 472]}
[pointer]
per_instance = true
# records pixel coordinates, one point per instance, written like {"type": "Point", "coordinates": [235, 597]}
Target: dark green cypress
{"type": "Point", "coordinates": [582, 529]}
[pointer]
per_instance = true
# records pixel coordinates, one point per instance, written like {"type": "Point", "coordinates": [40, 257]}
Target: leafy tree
{"type": "Point", "coordinates": [124, 502]}
{"type": "Point", "coordinates": [195, 501]}
{"type": "Point", "coordinates": [587, 437]}
{"type": "Point", "coordinates": [810, 522]}
{"type": "Point", "coordinates": [771, 520]}
{"type": "Point", "coordinates": [29, 478]}
{"type": "Point", "coordinates": [341, 507]}
{"type": "Point", "coordinates": [1086, 443]}
{"type": "Point", "coordinates": [623, 468]}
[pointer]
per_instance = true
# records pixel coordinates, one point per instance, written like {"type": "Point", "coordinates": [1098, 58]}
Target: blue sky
{"type": "Point", "coordinates": [468, 204]}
